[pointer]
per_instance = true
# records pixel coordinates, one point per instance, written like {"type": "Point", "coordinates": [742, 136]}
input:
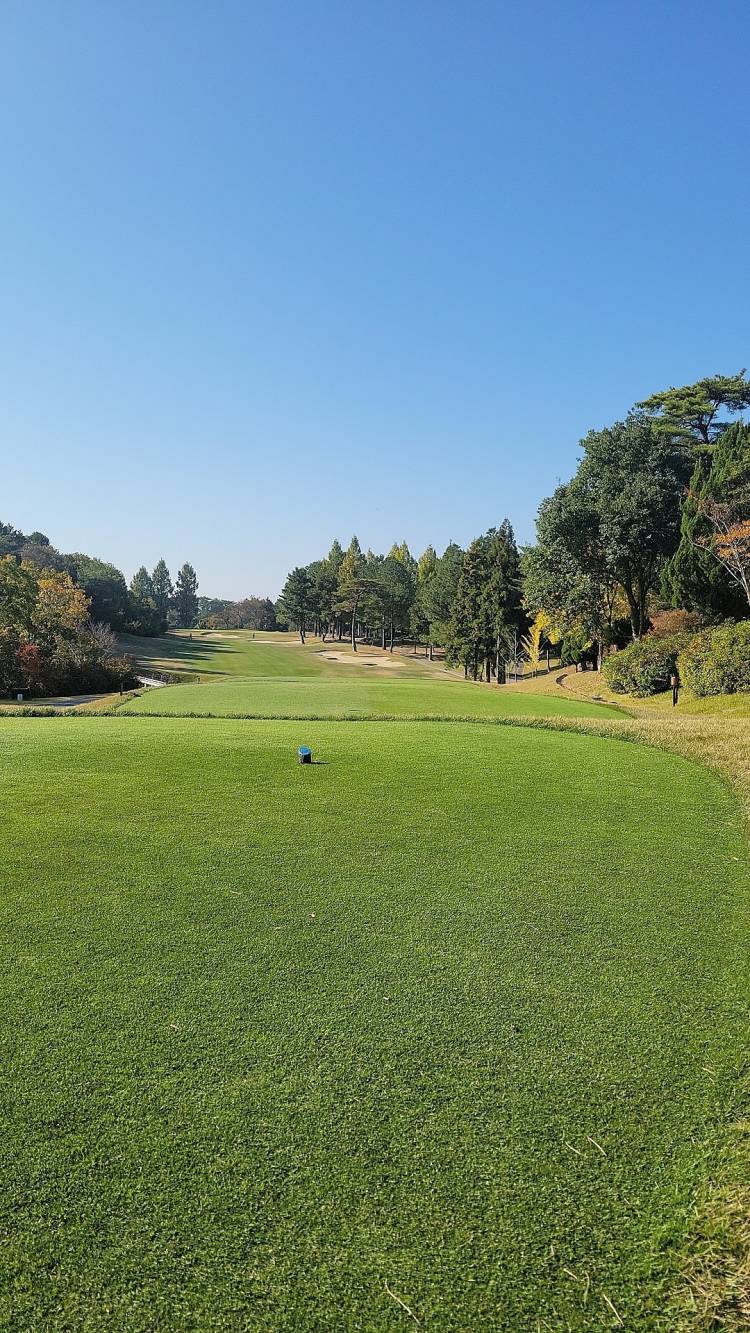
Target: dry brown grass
{"type": "Point", "coordinates": [714, 1290]}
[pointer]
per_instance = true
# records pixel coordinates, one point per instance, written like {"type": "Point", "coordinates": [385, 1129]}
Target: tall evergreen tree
{"type": "Point", "coordinates": [295, 601]}
{"type": "Point", "coordinates": [142, 584]}
{"type": "Point", "coordinates": [400, 551]}
{"type": "Point", "coordinates": [439, 592]}
{"type": "Point", "coordinates": [502, 611]}
{"type": "Point", "coordinates": [693, 578]}
{"type": "Point", "coordinates": [186, 596]}
{"type": "Point", "coordinates": [466, 627]}
{"type": "Point", "coordinates": [420, 621]}
{"type": "Point", "coordinates": [348, 586]}
{"type": "Point", "coordinates": [162, 589]}
{"type": "Point", "coordinates": [397, 583]}
{"type": "Point", "coordinates": [143, 614]}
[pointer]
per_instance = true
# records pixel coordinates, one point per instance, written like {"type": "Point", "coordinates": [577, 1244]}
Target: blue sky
{"type": "Point", "coordinates": [274, 273]}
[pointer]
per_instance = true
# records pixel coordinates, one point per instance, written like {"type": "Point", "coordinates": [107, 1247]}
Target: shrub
{"type": "Point", "coordinates": [666, 623]}
{"type": "Point", "coordinates": [718, 660]}
{"type": "Point", "coordinates": [33, 671]}
{"type": "Point", "coordinates": [645, 666]}
{"type": "Point", "coordinates": [574, 648]}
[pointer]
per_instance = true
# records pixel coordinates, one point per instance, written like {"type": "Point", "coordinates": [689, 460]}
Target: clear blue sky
{"type": "Point", "coordinates": [274, 273]}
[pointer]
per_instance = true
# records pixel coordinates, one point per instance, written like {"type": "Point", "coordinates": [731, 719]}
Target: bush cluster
{"type": "Point", "coordinates": [717, 661]}
{"type": "Point", "coordinates": [645, 666]}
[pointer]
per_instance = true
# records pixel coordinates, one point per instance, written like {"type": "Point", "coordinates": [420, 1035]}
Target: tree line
{"type": "Point", "coordinates": [656, 517]}
{"type": "Point", "coordinates": [466, 601]}
{"type": "Point", "coordinates": [257, 613]}
{"type": "Point", "coordinates": [49, 642]}
{"type": "Point", "coordinates": [149, 605]}
{"type": "Point", "coordinates": [60, 615]}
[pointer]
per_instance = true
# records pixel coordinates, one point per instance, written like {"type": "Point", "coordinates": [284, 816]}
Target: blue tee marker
{"type": "Point", "coordinates": [304, 754]}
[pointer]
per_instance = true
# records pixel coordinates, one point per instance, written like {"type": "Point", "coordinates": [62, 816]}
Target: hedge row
{"type": "Point", "coordinates": [645, 666]}
{"type": "Point", "coordinates": [714, 661]}
{"type": "Point", "coordinates": [717, 661]}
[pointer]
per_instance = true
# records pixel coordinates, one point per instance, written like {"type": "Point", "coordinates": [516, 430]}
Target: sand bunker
{"type": "Point", "coordinates": [385, 660]}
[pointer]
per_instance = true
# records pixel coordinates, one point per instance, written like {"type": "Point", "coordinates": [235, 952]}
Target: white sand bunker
{"type": "Point", "coordinates": [364, 659]}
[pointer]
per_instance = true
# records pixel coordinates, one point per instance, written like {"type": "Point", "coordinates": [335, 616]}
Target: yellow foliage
{"type": "Point", "coordinates": [60, 603]}
{"type": "Point", "coordinates": [532, 642]}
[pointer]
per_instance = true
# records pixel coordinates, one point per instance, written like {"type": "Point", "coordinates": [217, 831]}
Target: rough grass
{"type": "Point", "coordinates": [453, 1018]}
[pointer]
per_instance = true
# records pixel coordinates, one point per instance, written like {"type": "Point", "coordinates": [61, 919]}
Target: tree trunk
{"type": "Point", "coordinates": [636, 620]}
{"type": "Point", "coordinates": [354, 628]}
{"type": "Point", "coordinates": [390, 646]}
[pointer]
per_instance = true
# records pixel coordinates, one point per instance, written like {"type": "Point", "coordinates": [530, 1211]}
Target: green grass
{"type": "Point", "coordinates": [457, 1012]}
{"type": "Point", "coordinates": [346, 697]}
{"type": "Point", "coordinates": [230, 653]}
{"type": "Point", "coordinates": [277, 678]}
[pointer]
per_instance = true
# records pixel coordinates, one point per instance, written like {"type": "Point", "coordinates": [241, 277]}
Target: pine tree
{"type": "Point", "coordinates": [143, 614]}
{"type": "Point", "coordinates": [162, 589]}
{"type": "Point", "coordinates": [352, 563]}
{"type": "Point", "coordinates": [141, 584]}
{"type": "Point", "coordinates": [438, 594]}
{"type": "Point", "coordinates": [693, 579]}
{"type": "Point", "coordinates": [186, 596]}
{"type": "Point", "coordinates": [502, 595]}
{"type": "Point", "coordinates": [688, 415]}
{"type": "Point", "coordinates": [400, 551]}
{"type": "Point", "coordinates": [394, 588]}
{"type": "Point", "coordinates": [420, 620]}
{"type": "Point", "coordinates": [295, 600]}
{"type": "Point", "coordinates": [466, 626]}
{"type": "Point", "coordinates": [348, 590]}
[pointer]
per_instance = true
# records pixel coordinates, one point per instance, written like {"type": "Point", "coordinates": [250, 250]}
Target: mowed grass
{"type": "Point", "coordinates": [277, 678]}
{"type": "Point", "coordinates": [453, 1017]}
{"type": "Point", "coordinates": [346, 698]}
{"type": "Point", "coordinates": [237, 653]}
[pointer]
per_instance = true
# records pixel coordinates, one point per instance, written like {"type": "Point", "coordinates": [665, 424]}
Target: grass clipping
{"type": "Point", "coordinates": [715, 1288]}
